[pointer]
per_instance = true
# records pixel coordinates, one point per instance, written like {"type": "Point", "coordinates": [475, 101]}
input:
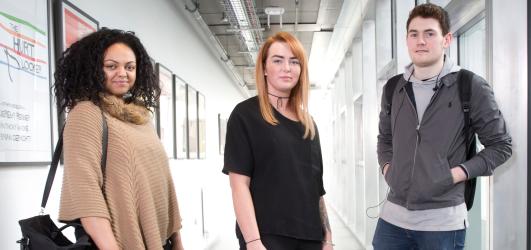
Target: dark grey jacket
{"type": "Point", "coordinates": [422, 154]}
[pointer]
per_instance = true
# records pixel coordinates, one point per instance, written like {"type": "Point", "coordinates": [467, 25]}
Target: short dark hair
{"type": "Point", "coordinates": [429, 10]}
{"type": "Point", "coordinates": [79, 72]}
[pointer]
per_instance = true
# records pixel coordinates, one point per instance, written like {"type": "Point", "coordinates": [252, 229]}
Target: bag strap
{"type": "Point", "coordinates": [57, 155]}
{"type": "Point", "coordinates": [104, 142]}
{"type": "Point", "coordinates": [390, 87]}
{"type": "Point", "coordinates": [464, 79]}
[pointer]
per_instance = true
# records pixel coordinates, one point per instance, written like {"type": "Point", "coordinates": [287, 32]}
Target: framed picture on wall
{"type": "Point", "coordinates": [222, 131]}
{"type": "Point", "coordinates": [201, 122]}
{"type": "Point", "coordinates": [166, 109]}
{"type": "Point", "coordinates": [193, 129]}
{"type": "Point", "coordinates": [154, 111]}
{"type": "Point", "coordinates": [181, 118]}
{"type": "Point", "coordinates": [72, 24]}
{"type": "Point", "coordinates": [25, 111]}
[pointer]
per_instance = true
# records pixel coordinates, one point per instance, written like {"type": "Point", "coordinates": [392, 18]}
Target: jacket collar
{"type": "Point", "coordinates": [446, 77]}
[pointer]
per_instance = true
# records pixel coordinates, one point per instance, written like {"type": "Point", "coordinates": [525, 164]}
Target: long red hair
{"type": "Point", "coordinates": [299, 94]}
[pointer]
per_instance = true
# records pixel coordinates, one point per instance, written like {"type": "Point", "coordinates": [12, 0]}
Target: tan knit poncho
{"type": "Point", "coordinates": [139, 198]}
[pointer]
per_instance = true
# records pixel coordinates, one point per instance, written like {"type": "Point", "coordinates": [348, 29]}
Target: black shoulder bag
{"type": "Point", "coordinates": [40, 232]}
{"type": "Point", "coordinates": [464, 80]}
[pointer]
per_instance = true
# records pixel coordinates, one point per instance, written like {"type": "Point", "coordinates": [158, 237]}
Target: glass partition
{"type": "Point", "coordinates": [472, 56]}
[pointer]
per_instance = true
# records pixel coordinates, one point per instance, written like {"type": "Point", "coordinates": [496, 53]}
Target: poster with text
{"type": "Point", "coordinates": [25, 134]}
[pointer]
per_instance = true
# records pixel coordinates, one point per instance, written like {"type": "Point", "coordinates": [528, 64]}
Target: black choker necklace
{"type": "Point", "coordinates": [279, 99]}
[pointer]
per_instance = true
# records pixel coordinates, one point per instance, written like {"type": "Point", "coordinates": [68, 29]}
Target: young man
{"type": "Point", "coordinates": [421, 142]}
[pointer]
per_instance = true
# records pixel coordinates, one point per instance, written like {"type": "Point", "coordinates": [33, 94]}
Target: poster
{"type": "Point", "coordinates": [25, 118]}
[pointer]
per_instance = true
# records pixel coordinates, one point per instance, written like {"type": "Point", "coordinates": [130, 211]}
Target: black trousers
{"type": "Point", "coordinates": [277, 242]}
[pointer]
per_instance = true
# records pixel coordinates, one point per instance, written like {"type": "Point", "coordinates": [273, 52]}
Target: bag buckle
{"type": "Point", "coordinates": [24, 243]}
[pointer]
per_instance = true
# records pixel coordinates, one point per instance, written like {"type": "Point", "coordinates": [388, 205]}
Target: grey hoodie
{"type": "Point", "coordinates": [423, 89]}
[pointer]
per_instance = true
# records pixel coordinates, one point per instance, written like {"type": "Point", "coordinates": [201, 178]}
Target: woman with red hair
{"type": "Point", "coordinates": [273, 156]}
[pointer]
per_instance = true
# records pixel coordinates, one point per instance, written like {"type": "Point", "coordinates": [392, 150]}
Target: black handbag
{"type": "Point", "coordinates": [40, 232]}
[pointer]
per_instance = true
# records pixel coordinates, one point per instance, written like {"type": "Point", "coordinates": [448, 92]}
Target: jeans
{"type": "Point", "coordinates": [391, 237]}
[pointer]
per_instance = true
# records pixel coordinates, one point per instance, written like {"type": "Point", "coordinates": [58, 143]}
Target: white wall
{"type": "Point", "coordinates": [402, 13]}
{"type": "Point", "coordinates": [170, 38]}
{"type": "Point", "coordinates": [370, 121]}
{"type": "Point", "coordinates": [510, 83]}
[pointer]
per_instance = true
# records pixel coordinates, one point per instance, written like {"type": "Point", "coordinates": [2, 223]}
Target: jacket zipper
{"type": "Point", "coordinates": [417, 141]}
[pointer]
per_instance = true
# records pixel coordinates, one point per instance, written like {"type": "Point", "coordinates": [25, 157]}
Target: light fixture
{"type": "Point", "coordinates": [224, 18]}
{"type": "Point", "coordinates": [242, 16]}
{"type": "Point", "coordinates": [239, 12]}
{"type": "Point", "coordinates": [274, 11]}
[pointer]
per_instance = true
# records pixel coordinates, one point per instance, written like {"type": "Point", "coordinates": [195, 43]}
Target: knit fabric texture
{"type": "Point", "coordinates": [139, 197]}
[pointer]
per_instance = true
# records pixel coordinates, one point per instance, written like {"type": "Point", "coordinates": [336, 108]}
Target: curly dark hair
{"type": "Point", "coordinates": [79, 72]}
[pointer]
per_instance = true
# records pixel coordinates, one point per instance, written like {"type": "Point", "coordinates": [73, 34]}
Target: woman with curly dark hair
{"type": "Point", "coordinates": [132, 204]}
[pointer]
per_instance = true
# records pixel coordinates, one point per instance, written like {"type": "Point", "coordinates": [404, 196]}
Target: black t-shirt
{"type": "Point", "coordinates": [286, 171]}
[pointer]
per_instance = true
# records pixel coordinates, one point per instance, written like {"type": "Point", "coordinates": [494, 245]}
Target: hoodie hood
{"type": "Point", "coordinates": [448, 67]}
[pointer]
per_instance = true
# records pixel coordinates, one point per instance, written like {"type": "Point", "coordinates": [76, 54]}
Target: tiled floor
{"type": "Point", "coordinates": [343, 238]}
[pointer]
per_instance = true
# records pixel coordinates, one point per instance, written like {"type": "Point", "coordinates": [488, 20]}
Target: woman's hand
{"type": "Point", "coordinates": [100, 231]}
{"type": "Point", "coordinates": [256, 245]}
{"type": "Point", "coordinates": [177, 242]}
{"type": "Point", "coordinates": [328, 246]}
{"type": "Point", "coordinates": [178, 246]}
{"type": "Point", "coordinates": [244, 209]}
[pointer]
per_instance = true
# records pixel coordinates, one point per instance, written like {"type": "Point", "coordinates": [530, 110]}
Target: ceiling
{"type": "Point", "coordinates": [311, 21]}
